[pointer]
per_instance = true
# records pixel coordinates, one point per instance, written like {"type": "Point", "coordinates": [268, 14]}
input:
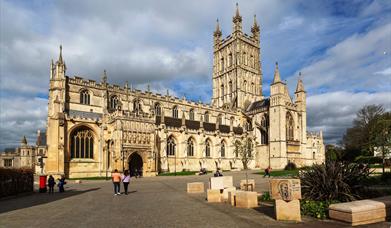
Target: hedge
{"type": "Point", "coordinates": [14, 181]}
{"type": "Point", "coordinates": [368, 159]}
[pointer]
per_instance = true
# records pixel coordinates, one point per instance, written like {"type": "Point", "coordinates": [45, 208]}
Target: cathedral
{"type": "Point", "coordinates": [96, 127]}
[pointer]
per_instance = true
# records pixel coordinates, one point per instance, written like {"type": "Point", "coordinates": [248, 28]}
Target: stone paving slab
{"type": "Point", "coordinates": [152, 202]}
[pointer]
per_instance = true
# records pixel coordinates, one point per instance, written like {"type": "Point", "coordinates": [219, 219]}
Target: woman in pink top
{"type": "Point", "coordinates": [126, 180]}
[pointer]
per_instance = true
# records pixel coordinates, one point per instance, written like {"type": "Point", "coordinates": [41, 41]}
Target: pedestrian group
{"type": "Point", "coordinates": [117, 178]}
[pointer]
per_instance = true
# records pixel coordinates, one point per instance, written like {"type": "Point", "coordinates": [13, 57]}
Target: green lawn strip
{"type": "Point", "coordinates": [90, 178]}
{"type": "Point", "coordinates": [280, 173]}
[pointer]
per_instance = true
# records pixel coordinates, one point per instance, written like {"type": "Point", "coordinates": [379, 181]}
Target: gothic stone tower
{"type": "Point", "coordinates": [56, 118]}
{"type": "Point", "coordinates": [237, 75]}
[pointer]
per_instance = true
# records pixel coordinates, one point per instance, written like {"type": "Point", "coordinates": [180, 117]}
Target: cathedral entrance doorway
{"type": "Point", "coordinates": [135, 164]}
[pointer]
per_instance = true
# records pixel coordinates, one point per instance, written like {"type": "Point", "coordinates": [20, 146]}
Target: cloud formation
{"type": "Point", "coordinates": [342, 48]}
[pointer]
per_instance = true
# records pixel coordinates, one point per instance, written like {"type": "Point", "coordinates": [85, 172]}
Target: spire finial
{"type": "Point", "coordinates": [237, 18]}
{"type": "Point", "coordinates": [126, 85]}
{"type": "Point", "coordinates": [300, 85]}
{"type": "Point", "coordinates": [104, 77]}
{"type": "Point", "coordinates": [277, 77]}
{"type": "Point", "coordinates": [217, 32]}
{"type": "Point", "coordinates": [255, 28]}
{"type": "Point", "coordinates": [60, 57]}
{"type": "Point", "coordinates": [24, 140]}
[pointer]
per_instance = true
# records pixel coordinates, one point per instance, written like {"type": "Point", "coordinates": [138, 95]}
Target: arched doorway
{"type": "Point", "coordinates": [135, 164]}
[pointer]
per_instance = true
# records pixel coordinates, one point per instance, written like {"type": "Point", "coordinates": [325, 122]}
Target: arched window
{"type": "Point", "coordinates": [113, 102]}
{"type": "Point", "coordinates": [264, 129]}
{"type": "Point", "coordinates": [230, 89]}
{"type": "Point", "coordinates": [245, 86]}
{"type": "Point", "coordinates": [207, 148]}
{"type": "Point", "coordinates": [230, 59]}
{"type": "Point", "coordinates": [171, 146]}
{"type": "Point", "coordinates": [206, 117]}
{"type": "Point", "coordinates": [252, 87]}
{"type": "Point", "coordinates": [175, 112]}
{"type": "Point", "coordinates": [82, 143]}
{"type": "Point", "coordinates": [289, 126]}
{"type": "Point", "coordinates": [222, 149]}
{"type": "Point", "coordinates": [84, 97]}
{"type": "Point", "coordinates": [238, 144]}
{"type": "Point", "coordinates": [190, 147]}
{"type": "Point", "coordinates": [220, 119]}
{"type": "Point", "coordinates": [222, 92]}
{"type": "Point", "coordinates": [158, 110]}
{"type": "Point", "coordinates": [137, 106]}
{"type": "Point", "coordinates": [191, 114]}
{"type": "Point", "coordinates": [313, 155]}
{"type": "Point", "coordinates": [222, 64]}
{"type": "Point", "coordinates": [252, 61]}
{"type": "Point", "coordinates": [244, 58]}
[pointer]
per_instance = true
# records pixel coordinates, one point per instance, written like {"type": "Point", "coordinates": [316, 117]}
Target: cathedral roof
{"type": "Point", "coordinates": [258, 105]}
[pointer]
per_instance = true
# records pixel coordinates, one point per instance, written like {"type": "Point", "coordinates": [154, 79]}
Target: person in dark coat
{"type": "Point", "coordinates": [61, 184]}
{"type": "Point", "coordinates": [51, 184]}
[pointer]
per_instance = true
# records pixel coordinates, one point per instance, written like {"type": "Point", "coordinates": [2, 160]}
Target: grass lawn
{"type": "Point", "coordinates": [281, 173]}
{"type": "Point", "coordinates": [91, 178]}
{"type": "Point", "coordinates": [182, 173]}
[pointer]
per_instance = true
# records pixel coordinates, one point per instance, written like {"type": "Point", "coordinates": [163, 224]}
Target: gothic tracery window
{"type": "Point", "coordinates": [171, 146]}
{"type": "Point", "coordinates": [113, 102]}
{"type": "Point", "coordinates": [175, 112]}
{"type": "Point", "coordinates": [191, 114]}
{"type": "Point", "coordinates": [220, 119]}
{"type": "Point", "coordinates": [137, 106]}
{"type": "Point", "coordinates": [289, 126]}
{"type": "Point", "coordinates": [206, 117]}
{"type": "Point", "coordinates": [207, 148]}
{"type": "Point", "coordinates": [158, 110]}
{"type": "Point", "coordinates": [264, 130]}
{"type": "Point", "coordinates": [190, 147]}
{"type": "Point", "coordinates": [84, 97]}
{"type": "Point", "coordinates": [222, 149]}
{"type": "Point", "coordinates": [82, 143]}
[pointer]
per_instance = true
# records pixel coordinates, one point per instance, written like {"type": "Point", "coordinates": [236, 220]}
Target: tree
{"type": "Point", "coordinates": [380, 136]}
{"type": "Point", "coordinates": [333, 153]}
{"type": "Point", "coordinates": [357, 139]}
{"type": "Point", "coordinates": [245, 150]}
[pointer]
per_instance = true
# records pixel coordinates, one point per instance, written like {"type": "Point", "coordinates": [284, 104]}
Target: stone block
{"type": "Point", "coordinates": [195, 187]}
{"type": "Point", "coordinates": [228, 181]}
{"type": "Point", "coordinates": [289, 211]}
{"type": "Point", "coordinates": [77, 181]}
{"type": "Point", "coordinates": [358, 212]}
{"type": "Point", "coordinates": [213, 196]}
{"type": "Point", "coordinates": [285, 189]}
{"type": "Point", "coordinates": [244, 199]}
{"type": "Point", "coordinates": [216, 183]}
{"type": "Point", "coordinates": [224, 196]}
{"type": "Point", "coordinates": [387, 202]}
{"type": "Point", "coordinates": [247, 185]}
{"type": "Point", "coordinates": [232, 197]}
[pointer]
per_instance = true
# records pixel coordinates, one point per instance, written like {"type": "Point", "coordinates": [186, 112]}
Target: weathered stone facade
{"type": "Point", "coordinates": [95, 127]}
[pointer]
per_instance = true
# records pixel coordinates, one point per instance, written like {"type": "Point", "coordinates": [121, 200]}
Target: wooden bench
{"type": "Point", "coordinates": [358, 212]}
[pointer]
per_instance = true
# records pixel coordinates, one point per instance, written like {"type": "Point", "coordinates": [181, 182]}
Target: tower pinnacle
{"type": "Point", "coordinates": [277, 77]}
{"type": "Point", "coordinates": [300, 85]}
{"type": "Point", "coordinates": [217, 32]}
{"type": "Point", "coordinates": [60, 57]}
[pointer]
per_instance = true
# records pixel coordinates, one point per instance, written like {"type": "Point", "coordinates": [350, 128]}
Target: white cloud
{"type": "Point", "coordinates": [333, 112]}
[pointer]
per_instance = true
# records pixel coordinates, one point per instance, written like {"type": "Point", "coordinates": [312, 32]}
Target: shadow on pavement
{"type": "Point", "coordinates": [266, 210]}
{"type": "Point", "coordinates": [37, 199]}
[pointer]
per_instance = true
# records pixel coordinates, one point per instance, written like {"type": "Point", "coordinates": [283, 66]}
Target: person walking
{"type": "Point", "coordinates": [116, 177]}
{"type": "Point", "coordinates": [51, 184]}
{"type": "Point", "coordinates": [126, 180]}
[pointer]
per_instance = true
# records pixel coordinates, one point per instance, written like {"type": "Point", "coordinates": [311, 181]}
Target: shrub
{"type": "Point", "coordinates": [290, 166]}
{"type": "Point", "coordinates": [14, 181]}
{"type": "Point", "coordinates": [266, 196]}
{"type": "Point", "coordinates": [368, 159]}
{"type": "Point", "coordinates": [334, 181]}
{"type": "Point", "coordinates": [316, 209]}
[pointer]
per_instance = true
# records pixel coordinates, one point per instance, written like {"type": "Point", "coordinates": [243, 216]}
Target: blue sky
{"type": "Point", "coordinates": [342, 49]}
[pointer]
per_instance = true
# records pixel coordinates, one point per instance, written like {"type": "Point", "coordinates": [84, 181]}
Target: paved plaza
{"type": "Point", "coordinates": [152, 202]}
